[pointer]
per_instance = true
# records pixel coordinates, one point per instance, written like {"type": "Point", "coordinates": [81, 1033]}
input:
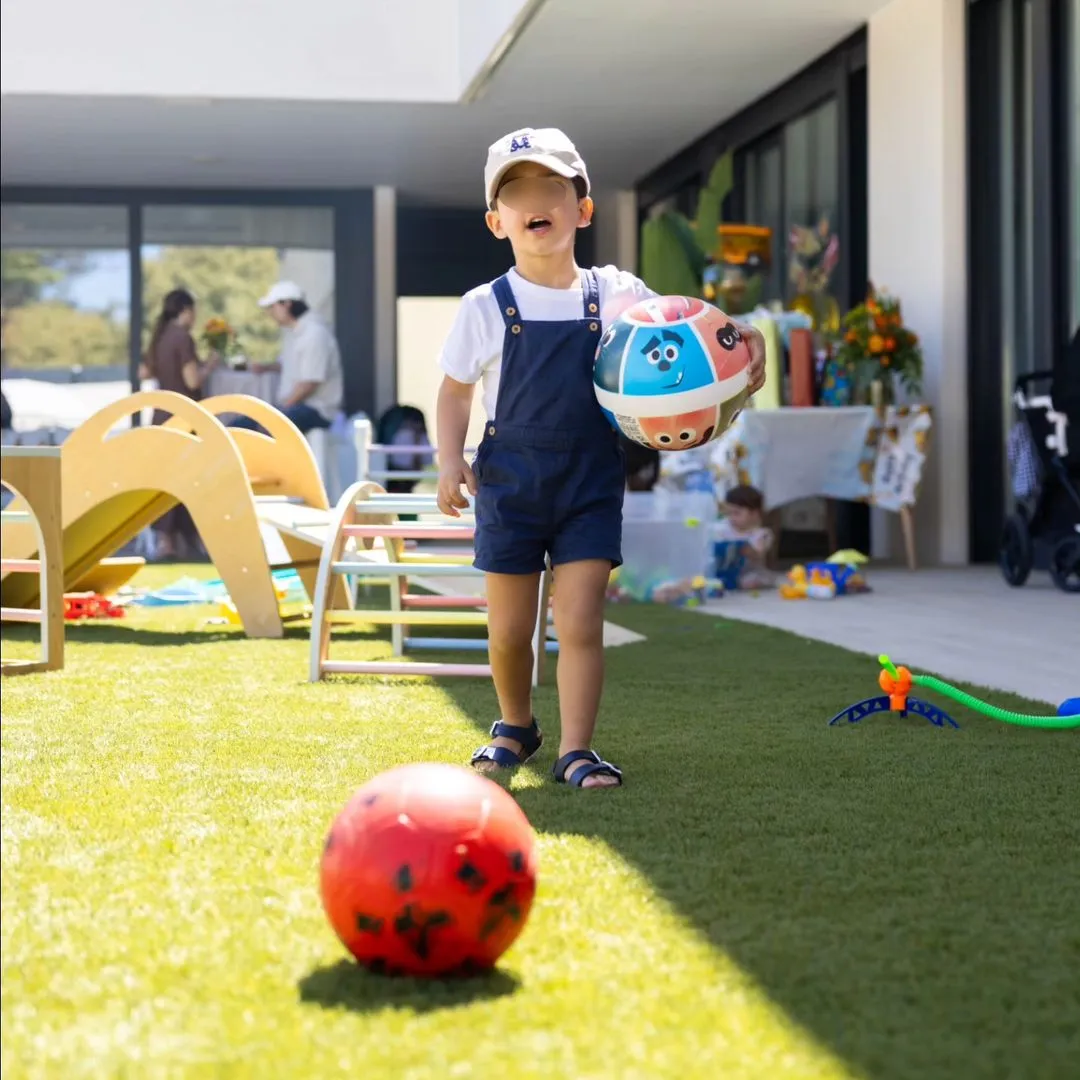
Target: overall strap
{"type": "Point", "coordinates": [590, 294]}
{"type": "Point", "coordinates": [505, 296]}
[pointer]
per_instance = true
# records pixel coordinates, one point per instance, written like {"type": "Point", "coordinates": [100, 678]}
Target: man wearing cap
{"type": "Point", "coordinates": [311, 388]}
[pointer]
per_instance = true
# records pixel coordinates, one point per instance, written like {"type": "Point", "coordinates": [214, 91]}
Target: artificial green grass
{"type": "Point", "coordinates": [767, 897]}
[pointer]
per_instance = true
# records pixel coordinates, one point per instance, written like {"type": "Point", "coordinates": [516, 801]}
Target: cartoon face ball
{"type": "Point", "coordinates": [672, 372]}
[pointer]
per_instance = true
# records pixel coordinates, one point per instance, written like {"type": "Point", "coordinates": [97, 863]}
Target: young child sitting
{"type": "Point", "coordinates": [743, 520]}
{"type": "Point", "coordinates": [549, 475]}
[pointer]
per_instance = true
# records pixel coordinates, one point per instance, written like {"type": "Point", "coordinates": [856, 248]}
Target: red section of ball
{"type": "Point", "coordinates": [661, 310]}
{"type": "Point", "coordinates": [429, 870]}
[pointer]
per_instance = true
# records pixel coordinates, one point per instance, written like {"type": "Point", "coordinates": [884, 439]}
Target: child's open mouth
{"type": "Point", "coordinates": [538, 224]}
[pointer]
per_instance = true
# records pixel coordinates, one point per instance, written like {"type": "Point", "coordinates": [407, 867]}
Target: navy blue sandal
{"type": "Point", "coordinates": [596, 767]}
{"type": "Point", "coordinates": [530, 738]}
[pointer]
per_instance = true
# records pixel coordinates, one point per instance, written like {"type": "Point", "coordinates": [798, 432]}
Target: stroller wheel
{"type": "Point", "coordinates": [1065, 565]}
{"type": "Point", "coordinates": [1016, 555]}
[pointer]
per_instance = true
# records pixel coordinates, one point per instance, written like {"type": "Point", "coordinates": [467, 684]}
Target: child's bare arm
{"type": "Point", "coordinates": [451, 425]}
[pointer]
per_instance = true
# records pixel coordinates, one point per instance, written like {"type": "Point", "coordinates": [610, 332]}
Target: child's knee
{"type": "Point", "coordinates": [580, 620]}
{"type": "Point", "coordinates": [510, 634]}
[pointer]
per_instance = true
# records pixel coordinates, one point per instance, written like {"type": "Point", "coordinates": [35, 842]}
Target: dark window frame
{"type": "Point", "coordinates": [827, 77]}
{"type": "Point", "coordinates": [987, 396]}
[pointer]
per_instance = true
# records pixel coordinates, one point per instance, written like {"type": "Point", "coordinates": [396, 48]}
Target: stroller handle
{"type": "Point", "coordinates": [1024, 381]}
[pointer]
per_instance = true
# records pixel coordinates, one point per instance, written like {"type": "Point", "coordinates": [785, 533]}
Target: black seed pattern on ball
{"type": "Point", "coordinates": [517, 862]}
{"type": "Point", "coordinates": [369, 924]}
{"type": "Point", "coordinates": [329, 842]}
{"type": "Point", "coordinates": [415, 927]}
{"type": "Point", "coordinates": [471, 878]}
{"type": "Point", "coordinates": [404, 880]}
{"type": "Point", "coordinates": [502, 905]}
{"type": "Point", "coordinates": [370, 800]}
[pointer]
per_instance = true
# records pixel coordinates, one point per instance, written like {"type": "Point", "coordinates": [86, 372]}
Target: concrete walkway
{"type": "Point", "coordinates": [961, 624]}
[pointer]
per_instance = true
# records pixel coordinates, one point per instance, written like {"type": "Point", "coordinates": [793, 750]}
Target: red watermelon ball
{"type": "Point", "coordinates": [429, 870]}
{"type": "Point", "coordinates": [672, 372]}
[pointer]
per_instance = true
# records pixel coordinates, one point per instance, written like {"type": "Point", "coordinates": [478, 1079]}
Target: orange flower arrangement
{"type": "Point", "coordinates": [875, 344]}
{"type": "Point", "coordinates": [221, 337]}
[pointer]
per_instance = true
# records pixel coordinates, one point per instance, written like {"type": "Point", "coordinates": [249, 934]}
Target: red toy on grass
{"type": "Point", "coordinates": [90, 605]}
{"type": "Point", "coordinates": [429, 870]}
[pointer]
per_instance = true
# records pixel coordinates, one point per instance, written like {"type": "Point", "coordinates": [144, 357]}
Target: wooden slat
{"type": "Point", "coordinates": [409, 618]}
{"type": "Point", "coordinates": [345, 667]}
{"type": "Point", "coordinates": [20, 614]}
{"type": "Point", "coordinates": [386, 569]}
{"type": "Point", "coordinates": [401, 474]}
{"type": "Point", "coordinates": [407, 531]}
{"type": "Point", "coordinates": [423, 600]}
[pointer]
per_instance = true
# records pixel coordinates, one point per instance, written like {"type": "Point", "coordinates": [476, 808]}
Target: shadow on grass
{"type": "Point", "coordinates": [899, 890]}
{"type": "Point", "coordinates": [346, 985]}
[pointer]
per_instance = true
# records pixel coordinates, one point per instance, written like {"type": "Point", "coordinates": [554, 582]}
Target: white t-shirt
{"type": "Point", "coordinates": [473, 349]}
{"type": "Point", "coordinates": [309, 353]}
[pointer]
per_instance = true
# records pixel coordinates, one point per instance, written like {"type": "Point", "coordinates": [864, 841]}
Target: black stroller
{"type": "Point", "coordinates": [1043, 533]}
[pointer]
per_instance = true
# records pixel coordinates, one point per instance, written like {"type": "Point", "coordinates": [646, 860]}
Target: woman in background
{"type": "Point", "coordinates": [173, 361]}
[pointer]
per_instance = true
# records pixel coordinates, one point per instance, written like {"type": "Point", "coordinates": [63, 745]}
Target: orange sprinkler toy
{"type": "Point", "coordinates": [897, 684]}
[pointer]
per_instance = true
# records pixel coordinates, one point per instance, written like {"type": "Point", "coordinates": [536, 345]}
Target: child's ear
{"type": "Point", "coordinates": [585, 212]}
{"type": "Point", "coordinates": [494, 223]}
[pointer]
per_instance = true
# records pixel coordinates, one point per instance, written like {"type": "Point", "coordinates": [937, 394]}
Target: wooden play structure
{"type": "Point", "coordinates": [33, 474]}
{"type": "Point", "coordinates": [370, 456]}
{"type": "Point", "coordinates": [116, 480]}
{"type": "Point", "coordinates": [368, 541]}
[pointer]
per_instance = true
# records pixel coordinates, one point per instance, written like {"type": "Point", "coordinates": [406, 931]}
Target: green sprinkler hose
{"type": "Point", "coordinates": [1059, 722]}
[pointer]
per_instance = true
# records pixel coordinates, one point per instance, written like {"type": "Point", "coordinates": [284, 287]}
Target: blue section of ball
{"type": "Point", "coordinates": [608, 366]}
{"type": "Point", "coordinates": [1069, 707]}
{"type": "Point", "coordinates": [665, 360]}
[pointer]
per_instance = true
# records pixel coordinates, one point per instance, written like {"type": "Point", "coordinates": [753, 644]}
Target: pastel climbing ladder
{"type": "Point", "coordinates": [368, 541]}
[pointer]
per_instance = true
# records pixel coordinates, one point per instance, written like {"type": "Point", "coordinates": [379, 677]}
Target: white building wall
{"type": "Point", "coordinates": [916, 61]}
{"type": "Point", "coordinates": [324, 50]}
{"type": "Point", "coordinates": [616, 225]}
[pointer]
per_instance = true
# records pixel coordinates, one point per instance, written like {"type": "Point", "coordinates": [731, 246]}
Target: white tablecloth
{"type": "Point", "coordinates": [849, 453]}
{"type": "Point", "coordinates": [790, 454]}
{"type": "Point", "coordinates": [260, 384]}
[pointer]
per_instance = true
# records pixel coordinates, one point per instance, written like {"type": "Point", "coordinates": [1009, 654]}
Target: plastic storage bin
{"type": "Point", "coordinates": [656, 552]}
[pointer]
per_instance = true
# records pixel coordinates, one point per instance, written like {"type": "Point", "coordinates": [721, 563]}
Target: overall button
{"type": "Point", "coordinates": [515, 329]}
{"type": "Point", "coordinates": [592, 309]}
{"type": "Point", "coordinates": [594, 326]}
{"type": "Point", "coordinates": [491, 429]}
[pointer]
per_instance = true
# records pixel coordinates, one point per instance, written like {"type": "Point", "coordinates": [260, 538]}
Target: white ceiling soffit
{"type": "Point", "coordinates": [632, 81]}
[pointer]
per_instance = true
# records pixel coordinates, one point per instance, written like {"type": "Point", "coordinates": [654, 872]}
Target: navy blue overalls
{"type": "Point", "coordinates": [550, 467]}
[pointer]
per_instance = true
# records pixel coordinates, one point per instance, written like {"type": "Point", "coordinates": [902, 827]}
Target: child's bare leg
{"type": "Point", "coordinates": [512, 604]}
{"type": "Point", "coordinates": [579, 620]}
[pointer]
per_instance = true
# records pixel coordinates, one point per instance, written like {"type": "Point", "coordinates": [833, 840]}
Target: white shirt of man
{"type": "Point", "coordinates": [473, 349]}
{"type": "Point", "coordinates": [309, 353]}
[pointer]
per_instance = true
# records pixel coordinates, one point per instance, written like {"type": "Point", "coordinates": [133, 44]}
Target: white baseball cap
{"type": "Point", "coordinates": [283, 290]}
{"type": "Point", "coordinates": [546, 146]}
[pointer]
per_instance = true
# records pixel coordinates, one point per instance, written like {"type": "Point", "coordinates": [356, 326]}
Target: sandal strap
{"type": "Point", "coordinates": [596, 767]}
{"type": "Point", "coordinates": [500, 755]}
{"type": "Point", "coordinates": [529, 737]}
